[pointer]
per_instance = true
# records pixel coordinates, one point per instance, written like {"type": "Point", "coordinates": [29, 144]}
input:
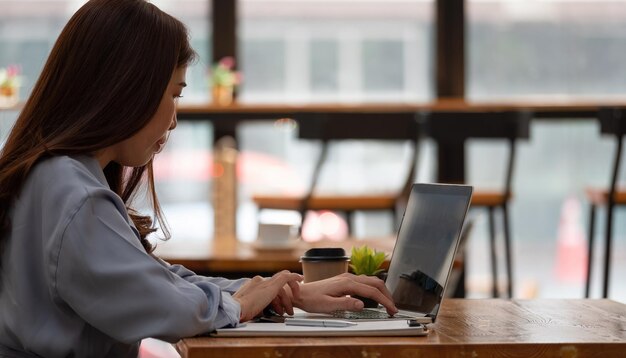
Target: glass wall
{"type": "Point", "coordinates": [330, 51]}
{"type": "Point", "coordinates": [335, 51]}
{"type": "Point", "coordinates": [352, 51]}
{"type": "Point", "coordinates": [28, 30]}
{"type": "Point", "coordinates": [196, 15]}
{"type": "Point", "coordinates": [546, 51]}
{"type": "Point", "coordinates": [183, 169]}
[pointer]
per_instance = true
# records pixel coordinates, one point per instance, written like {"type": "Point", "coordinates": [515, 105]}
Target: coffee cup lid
{"type": "Point", "coordinates": [325, 254]}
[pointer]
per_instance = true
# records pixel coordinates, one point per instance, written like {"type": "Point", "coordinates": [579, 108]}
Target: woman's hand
{"type": "Point", "coordinates": [331, 294]}
{"type": "Point", "coordinates": [259, 292]}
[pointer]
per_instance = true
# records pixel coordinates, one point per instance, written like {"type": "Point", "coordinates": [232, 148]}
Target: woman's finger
{"type": "Point", "coordinates": [295, 289]}
{"type": "Point", "coordinates": [282, 302]}
{"type": "Point", "coordinates": [277, 306]}
{"type": "Point", "coordinates": [374, 282]}
{"type": "Point", "coordinates": [282, 278]}
{"type": "Point", "coordinates": [285, 301]}
{"type": "Point", "coordinates": [368, 291]}
{"type": "Point", "coordinates": [343, 303]}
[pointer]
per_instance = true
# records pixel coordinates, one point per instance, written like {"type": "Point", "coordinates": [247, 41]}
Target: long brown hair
{"type": "Point", "coordinates": [102, 83]}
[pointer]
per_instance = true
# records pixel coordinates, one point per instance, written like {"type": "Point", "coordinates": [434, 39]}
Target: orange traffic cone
{"type": "Point", "coordinates": [571, 253]}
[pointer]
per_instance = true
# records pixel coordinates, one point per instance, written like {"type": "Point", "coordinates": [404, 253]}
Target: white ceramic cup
{"type": "Point", "coordinates": [276, 235]}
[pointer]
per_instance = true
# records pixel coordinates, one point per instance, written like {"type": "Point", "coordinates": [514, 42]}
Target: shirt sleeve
{"type": "Point", "coordinates": [106, 277]}
{"type": "Point", "coordinates": [230, 286]}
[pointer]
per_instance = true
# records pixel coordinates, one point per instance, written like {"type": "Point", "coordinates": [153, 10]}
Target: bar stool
{"type": "Point", "coordinates": [332, 127]}
{"type": "Point", "coordinates": [613, 122]}
{"type": "Point", "coordinates": [508, 125]}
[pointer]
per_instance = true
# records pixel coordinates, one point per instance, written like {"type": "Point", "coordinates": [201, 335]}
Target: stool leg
{"type": "Point", "coordinates": [507, 247]}
{"type": "Point", "coordinates": [349, 217]}
{"type": "Point", "coordinates": [592, 224]}
{"type": "Point", "coordinates": [494, 267]}
{"type": "Point", "coordinates": [395, 219]}
{"type": "Point", "coordinates": [302, 220]}
{"type": "Point", "coordinates": [607, 251]}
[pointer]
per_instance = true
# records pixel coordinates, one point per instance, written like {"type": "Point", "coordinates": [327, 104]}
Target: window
{"type": "Point", "coordinates": [333, 51]}
{"type": "Point", "coordinates": [28, 30]}
{"type": "Point", "coordinates": [196, 15]}
{"type": "Point", "coordinates": [324, 66]}
{"type": "Point", "coordinates": [546, 49]}
{"type": "Point", "coordinates": [183, 170]}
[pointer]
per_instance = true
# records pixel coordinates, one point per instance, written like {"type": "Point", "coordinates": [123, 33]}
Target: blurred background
{"type": "Point", "coordinates": [385, 51]}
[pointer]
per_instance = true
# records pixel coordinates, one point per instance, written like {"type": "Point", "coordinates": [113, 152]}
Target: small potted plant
{"type": "Point", "coordinates": [10, 81]}
{"type": "Point", "coordinates": [367, 261]}
{"type": "Point", "coordinates": [224, 79]}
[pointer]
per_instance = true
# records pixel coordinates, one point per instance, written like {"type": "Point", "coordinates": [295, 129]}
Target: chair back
{"type": "Point", "coordinates": [344, 126]}
{"type": "Point", "coordinates": [456, 126]}
{"type": "Point", "coordinates": [613, 121]}
{"type": "Point", "coordinates": [334, 126]}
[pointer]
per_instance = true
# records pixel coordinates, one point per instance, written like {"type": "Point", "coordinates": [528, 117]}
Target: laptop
{"type": "Point", "coordinates": [423, 255]}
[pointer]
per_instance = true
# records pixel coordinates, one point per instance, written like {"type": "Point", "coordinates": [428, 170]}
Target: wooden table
{"type": "Point", "coordinates": [228, 258]}
{"type": "Point", "coordinates": [464, 328]}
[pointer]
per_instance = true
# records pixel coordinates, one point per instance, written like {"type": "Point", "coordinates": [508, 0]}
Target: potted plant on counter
{"type": "Point", "coordinates": [224, 79]}
{"type": "Point", "coordinates": [10, 81]}
{"type": "Point", "coordinates": [367, 261]}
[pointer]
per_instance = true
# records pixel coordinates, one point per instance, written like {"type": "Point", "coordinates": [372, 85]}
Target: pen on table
{"type": "Point", "coordinates": [318, 322]}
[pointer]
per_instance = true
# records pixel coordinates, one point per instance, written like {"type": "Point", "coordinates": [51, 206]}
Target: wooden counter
{"type": "Point", "coordinates": [235, 259]}
{"type": "Point", "coordinates": [545, 108]}
{"type": "Point", "coordinates": [464, 328]}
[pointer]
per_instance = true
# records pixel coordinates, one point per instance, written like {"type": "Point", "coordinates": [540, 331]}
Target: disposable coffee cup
{"type": "Point", "coordinates": [322, 263]}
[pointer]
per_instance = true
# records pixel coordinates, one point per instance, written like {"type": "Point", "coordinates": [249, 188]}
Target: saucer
{"type": "Point", "coordinates": [286, 246]}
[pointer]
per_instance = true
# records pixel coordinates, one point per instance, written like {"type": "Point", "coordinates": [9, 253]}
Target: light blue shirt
{"type": "Point", "coordinates": [76, 280]}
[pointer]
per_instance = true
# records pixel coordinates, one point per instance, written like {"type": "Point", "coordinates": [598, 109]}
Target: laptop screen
{"type": "Point", "coordinates": [426, 246]}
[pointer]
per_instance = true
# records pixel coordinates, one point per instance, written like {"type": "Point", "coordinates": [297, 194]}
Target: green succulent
{"type": "Point", "coordinates": [366, 261]}
{"type": "Point", "coordinates": [223, 73]}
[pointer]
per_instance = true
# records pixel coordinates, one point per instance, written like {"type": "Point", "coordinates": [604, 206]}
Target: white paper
{"type": "Point", "coordinates": [368, 328]}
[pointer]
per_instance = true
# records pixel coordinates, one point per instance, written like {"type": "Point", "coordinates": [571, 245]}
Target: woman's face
{"type": "Point", "coordinates": [141, 147]}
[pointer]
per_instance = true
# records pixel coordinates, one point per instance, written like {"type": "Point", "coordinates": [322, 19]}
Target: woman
{"type": "Point", "coordinates": [78, 277]}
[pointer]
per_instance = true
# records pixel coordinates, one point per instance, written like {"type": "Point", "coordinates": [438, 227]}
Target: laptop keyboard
{"type": "Point", "coordinates": [365, 314]}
